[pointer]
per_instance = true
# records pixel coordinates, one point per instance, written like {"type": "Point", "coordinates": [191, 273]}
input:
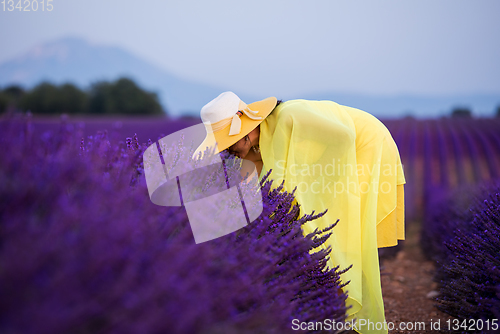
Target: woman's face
{"type": "Point", "coordinates": [241, 147]}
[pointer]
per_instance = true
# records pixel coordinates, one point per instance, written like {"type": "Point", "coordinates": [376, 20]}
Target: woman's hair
{"type": "Point", "coordinates": [277, 104]}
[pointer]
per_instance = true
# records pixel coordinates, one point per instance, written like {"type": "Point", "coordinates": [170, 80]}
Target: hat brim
{"type": "Point", "coordinates": [222, 137]}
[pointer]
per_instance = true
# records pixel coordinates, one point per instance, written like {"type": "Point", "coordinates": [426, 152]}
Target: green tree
{"type": "Point", "coordinates": [122, 97]}
{"type": "Point", "coordinates": [47, 98]}
{"type": "Point", "coordinates": [41, 99]}
{"type": "Point", "coordinates": [71, 99]}
{"type": "Point", "coordinates": [99, 97]}
{"type": "Point", "coordinates": [10, 97]}
{"type": "Point", "coordinates": [461, 112]}
{"type": "Point", "coordinates": [4, 102]}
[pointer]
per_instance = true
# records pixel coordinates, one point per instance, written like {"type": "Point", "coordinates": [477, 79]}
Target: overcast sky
{"type": "Point", "coordinates": [266, 47]}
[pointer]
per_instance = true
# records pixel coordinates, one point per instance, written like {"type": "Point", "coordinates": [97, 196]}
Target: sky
{"type": "Point", "coordinates": [284, 47]}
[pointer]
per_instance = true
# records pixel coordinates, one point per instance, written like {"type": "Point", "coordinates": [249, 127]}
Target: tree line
{"type": "Point", "coordinates": [122, 96]}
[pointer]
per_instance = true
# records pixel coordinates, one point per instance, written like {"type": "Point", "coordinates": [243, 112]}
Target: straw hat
{"type": "Point", "coordinates": [227, 119]}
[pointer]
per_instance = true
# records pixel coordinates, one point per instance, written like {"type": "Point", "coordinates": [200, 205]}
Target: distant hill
{"type": "Point", "coordinates": [75, 60]}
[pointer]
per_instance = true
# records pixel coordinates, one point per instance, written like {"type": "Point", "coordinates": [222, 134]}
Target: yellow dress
{"type": "Point", "coordinates": [344, 160]}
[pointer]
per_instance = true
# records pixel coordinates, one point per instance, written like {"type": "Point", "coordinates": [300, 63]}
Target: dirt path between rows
{"type": "Point", "coordinates": [406, 283]}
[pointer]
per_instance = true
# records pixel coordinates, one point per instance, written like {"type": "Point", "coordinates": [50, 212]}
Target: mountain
{"type": "Point", "coordinates": [76, 60]}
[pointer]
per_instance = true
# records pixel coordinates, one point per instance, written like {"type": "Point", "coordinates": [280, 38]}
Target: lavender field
{"type": "Point", "coordinates": [83, 249]}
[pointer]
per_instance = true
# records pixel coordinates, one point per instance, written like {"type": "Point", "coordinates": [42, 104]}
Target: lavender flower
{"type": "Point", "coordinates": [470, 274]}
{"type": "Point", "coordinates": [84, 250]}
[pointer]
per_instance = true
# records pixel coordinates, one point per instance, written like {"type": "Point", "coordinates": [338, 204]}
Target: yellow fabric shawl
{"type": "Point", "coordinates": [344, 160]}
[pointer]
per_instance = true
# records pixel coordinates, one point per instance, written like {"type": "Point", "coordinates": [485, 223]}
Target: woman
{"type": "Point", "coordinates": [339, 158]}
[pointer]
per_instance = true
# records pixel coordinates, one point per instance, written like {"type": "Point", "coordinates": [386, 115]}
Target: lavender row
{"type": "Point", "coordinates": [467, 256]}
{"type": "Point", "coordinates": [83, 249]}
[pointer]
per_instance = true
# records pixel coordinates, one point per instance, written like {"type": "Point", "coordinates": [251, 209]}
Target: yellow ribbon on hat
{"type": "Point", "coordinates": [235, 120]}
